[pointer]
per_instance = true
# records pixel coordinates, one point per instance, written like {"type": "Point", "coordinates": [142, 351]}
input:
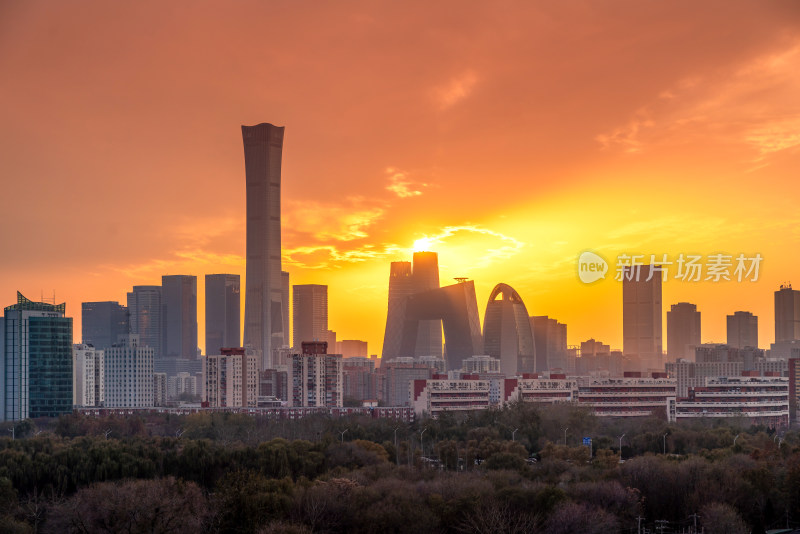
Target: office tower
{"type": "Point", "coordinates": [550, 340]}
{"type": "Point", "coordinates": [426, 276]}
{"type": "Point", "coordinates": [507, 331]}
{"type": "Point", "coordinates": [88, 375]}
{"type": "Point", "coordinates": [309, 313]}
{"type": "Point", "coordinates": [315, 377]}
{"type": "Point", "coordinates": [285, 318]}
{"type": "Point", "coordinates": [683, 330]}
{"type": "Point", "coordinates": [263, 309]}
{"type": "Point", "coordinates": [103, 322]}
{"type": "Point", "coordinates": [641, 314]}
{"type": "Point", "coordinates": [129, 374]}
{"type": "Point", "coordinates": [144, 312]}
{"type": "Point", "coordinates": [179, 316]}
{"type": "Point", "coordinates": [787, 314]}
{"type": "Point", "coordinates": [742, 330]}
{"type": "Point", "coordinates": [222, 312]}
{"type": "Point", "coordinates": [457, 307]}
{"type": "Point", "coordinates": [36, 367]}
{"type": "Point", "coordinates": [405, 280]}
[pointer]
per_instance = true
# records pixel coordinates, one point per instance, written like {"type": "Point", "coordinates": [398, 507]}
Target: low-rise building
{"type": "Point", "coordinates": [441, 394]}
{"type": "Point", "coordinates": [630, 396]}
{"type": "Point", "coordinates": [545, 390]}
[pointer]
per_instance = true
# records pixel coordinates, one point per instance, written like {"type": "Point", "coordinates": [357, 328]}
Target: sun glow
{"type": "Point", "coordinates": [423, 244]}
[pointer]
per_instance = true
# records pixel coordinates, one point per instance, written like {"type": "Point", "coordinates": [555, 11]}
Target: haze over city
{"type": "Point", "coordinates": [508, 138]}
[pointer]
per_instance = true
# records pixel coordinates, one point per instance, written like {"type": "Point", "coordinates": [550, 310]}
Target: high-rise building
{"type": "Point", "coordinates": [794, 388]}
{"type": "Point", "coordinates": [286, 295]}
{"type": "Point", "coordinates": [129, 374]}
{"type": "Point", "coordinates": [103, 322]}
{"type": "Point", "coordinates": [179, 316]}
{"type": "Point", "coordinates": [88, 375]}
{"type": "Point", "coordinates": [315, 377]}
{"type": "Point", "coordinates": [405, 280]}
{"type": "Point", "coordinates": [144, 309]}
{"type": "Point", "coordinates": [359, 378]}
{"type": "Point", "coordinates": [264, 308]}
{"type": "Point", "coordinates": [36, 366]}
{"type": "Point", "coordinates": [181, 384]}
{"type": "Point", "coordinates": [230, 379]}
{"type": "Point", "coordinates": [223, 302]}
{"type": "Point", "coordinates": [159, 389]}
{"type": "Point", "coordinates": [641, 314]}
{"type": "Point", "coordinates": [507, 331]}
{"type": "Point", "coordinates": [550, 340]}
{"type": "Point", "coordinates": [787, 314]}
{"type": "Point", "coordinates": [742, 330]}
{"type": "Point", "coordinates": [683, 330]}
{"type": "Point", "coordinates": [309, 313]}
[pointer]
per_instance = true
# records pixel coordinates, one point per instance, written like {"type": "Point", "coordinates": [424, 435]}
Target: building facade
{"type": "Point", "coordinates": [550, 341]}
{"type": "Point", "coordinates": [103, 322]}
{"type": "Point", "coordinates": [315, 377]}
{"type": "Point", "coordinates": [630, 396]}
{"type": "Point", "coordinates": [683, 330]}
{"type": "Point", "coordinates": [129, 374]}
{"type": "Point", "coordinates": [507, 333]}
{"type": "Point", "coordinates": [439, 394]}
{"type": "Point", "coordinates": [742, 330]}
{"type": "Point", "coordinates": [309, 314]}
{"type": "Point", "coordinates": [88, 375]}
{"type": "Point", "coordinates": [223, 312]}
{"type": "Point", "coordinates": [36, 367]}
{"type": "Point", "coordinates": [179, 316]}
{"type": "Point", "coordinates": [230, 379]}
{"type": "Point", "coordinates": [144, 309]}
{"type": "Point", "coordinates": [641, 314]}
{"type": "Point", "coordinates": [264, 308]}
{"type": "Point", "coordinates": [787, 314]}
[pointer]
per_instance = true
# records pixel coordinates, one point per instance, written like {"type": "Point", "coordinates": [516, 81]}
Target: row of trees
{"type": "Point", "coordinates": [495, 471]}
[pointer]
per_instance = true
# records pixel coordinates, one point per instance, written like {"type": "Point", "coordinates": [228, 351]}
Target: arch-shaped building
{"type": "Point", "coordinates": [507, 333]}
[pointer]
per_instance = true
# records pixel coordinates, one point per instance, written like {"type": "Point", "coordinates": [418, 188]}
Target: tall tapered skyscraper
{"type": "Point", "coordinates": [263, 308]}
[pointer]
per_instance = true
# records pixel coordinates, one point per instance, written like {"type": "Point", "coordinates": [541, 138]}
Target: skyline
{"type": "Point", "coordinates": [495, 132]}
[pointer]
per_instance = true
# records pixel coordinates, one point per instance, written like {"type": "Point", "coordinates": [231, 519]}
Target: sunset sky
{"type": "Point", "coordinates": [512, 135]}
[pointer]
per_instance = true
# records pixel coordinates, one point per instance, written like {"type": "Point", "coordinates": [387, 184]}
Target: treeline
{"type": "Point", "coordinates": [497, 471]}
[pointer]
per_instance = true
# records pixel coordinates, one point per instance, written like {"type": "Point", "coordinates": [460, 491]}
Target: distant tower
{"type": "Point", "coordinates": [286, 295]}
{"type": "Point", "coordinates": [507, 333]}
{"type": "Point", "coordinates": [103, 322]}
{"type": "Point", "coordinates": [223, 305]}
{"type": "Point", "coordinates": [787, 314]}
{"type": "Point", "coordinates": [179, 316]}
{"type": "Point", "coordinates": [310, 310]}
{"type": "Point", "coordinates": [144, 308]}
{"type": "Point", "coordinates": [641, 315]}
{"type": "Point", "coordinates": [405, 281]}
{"type": "Point", "coordinates": [742, 330]}
{"type": "Point", "coordinates": [683, 330]}
{"type": "Point", "coordinates": [263, 316]}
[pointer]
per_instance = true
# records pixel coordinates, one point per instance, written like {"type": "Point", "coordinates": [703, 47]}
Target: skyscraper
{"type": "Point", "coordinates": [223, 301]}
{"type": "Point", "coordinates": [507, 331]}
{"type": "Point", "coordinates": [129, 374]}
{"type": "Point", "coordinates": [406, 280]}
{"type": "Point", "coordinates": [144, 309]}
{"type": "Point", "coordinates": [36, 366]}
{"type": "Point", "coordinates": [103, 322]}
{"type": "Point", "coordinates": [309, 313]}
{"type": "Point", "coordinates": [179, 316]}
{"type": "Point", "coordinates": [286, 296]}
{"type": "Point", "coordinates": [263, 311]}
{"type": "Point", "coordinates": [683, 330]}
{"type": "Point", "coordinates": [641, 314]}
{"type": "Point", "coordinates": [742, 330]}
{"type": "Point", "coordinates": [550, 340]}
{"type": "Point", "coordinates": [787, 314]}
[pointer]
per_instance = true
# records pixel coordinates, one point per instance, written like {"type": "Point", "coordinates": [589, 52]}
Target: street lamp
{"type": "Point", "coordinates": [342, 433]}
{"type": "Point", "coordinates": [620, 447]}
{"type": "Point", "coordinates": [665, 443]}
{"type": "Point", "coordinates": [565, 436]}
{"type": "Point", "coordinates": [513, 432]}
{"type": "Point", "coordinates": [734, 439]}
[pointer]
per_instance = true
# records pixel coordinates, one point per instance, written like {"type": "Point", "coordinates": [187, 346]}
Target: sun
{"type": "Point", "coordinates": [423, 244]}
